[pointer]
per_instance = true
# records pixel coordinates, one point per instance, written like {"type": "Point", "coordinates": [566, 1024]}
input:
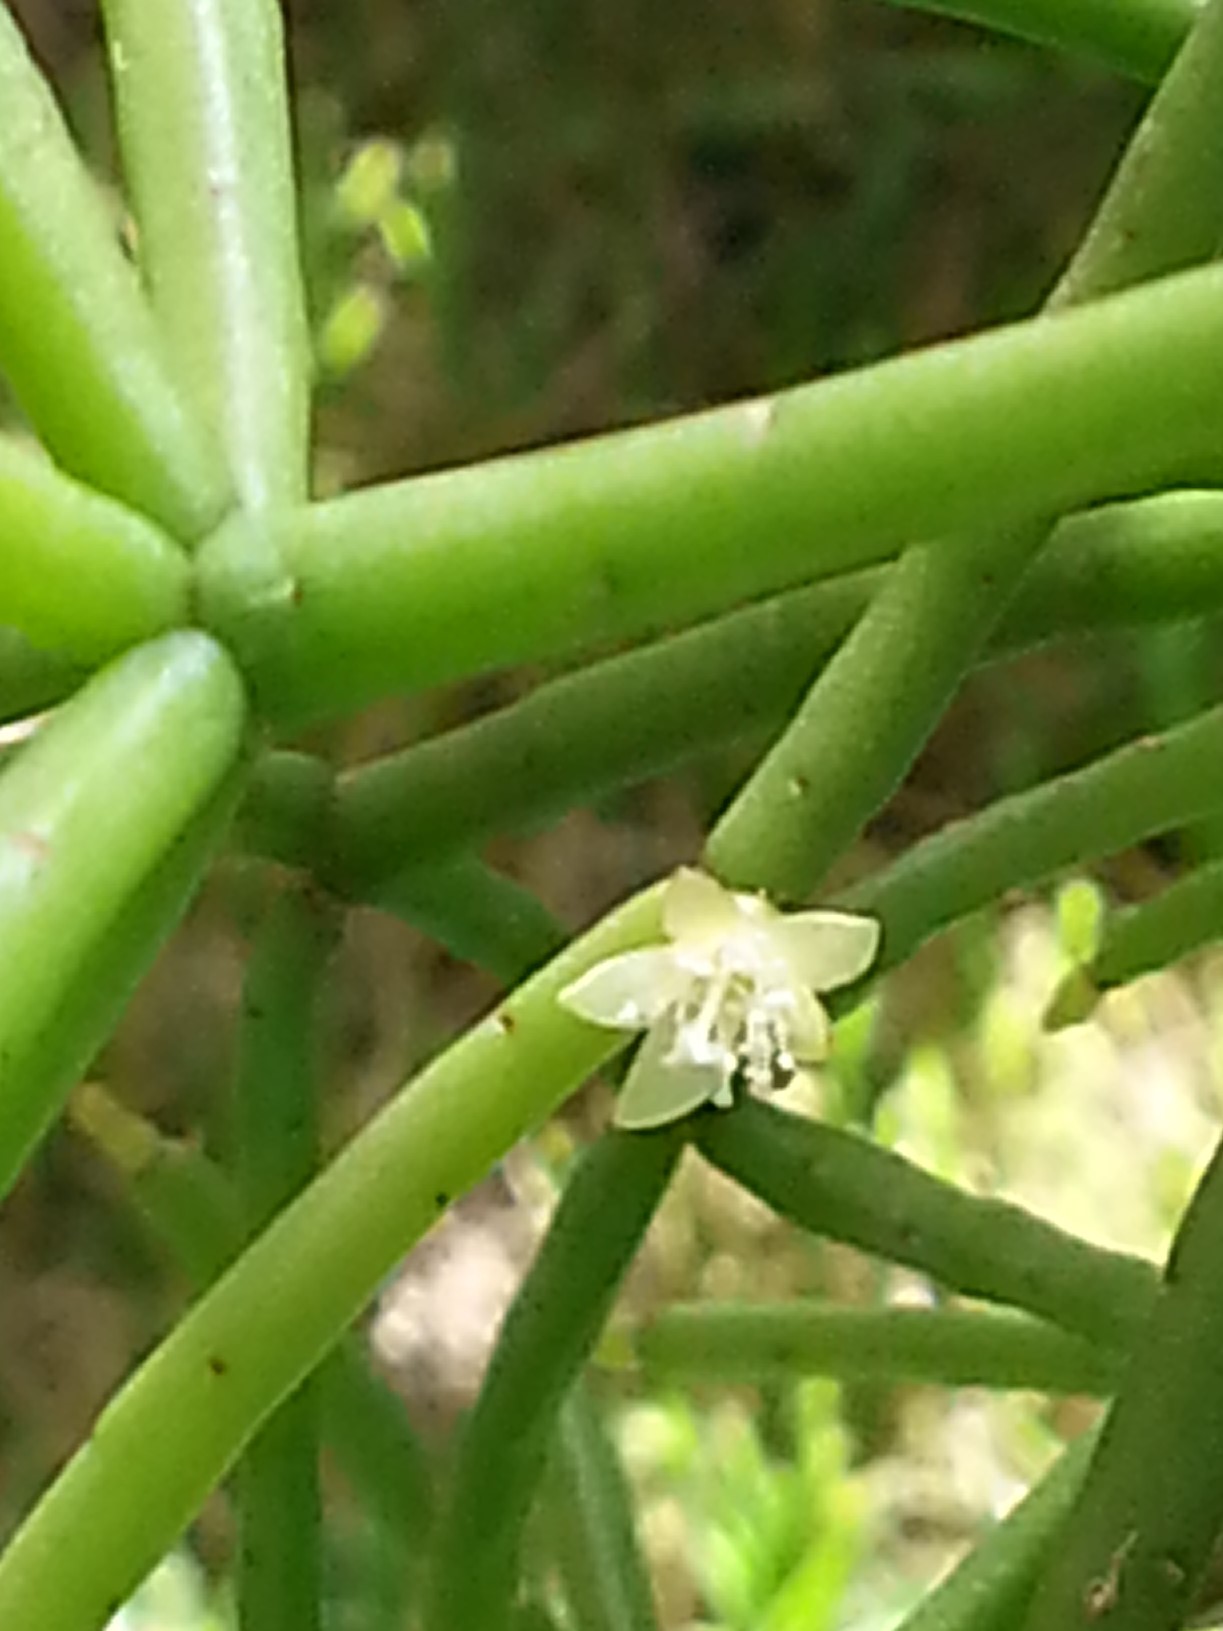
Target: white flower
{"type": "Point", "coordinates": [733, 993]}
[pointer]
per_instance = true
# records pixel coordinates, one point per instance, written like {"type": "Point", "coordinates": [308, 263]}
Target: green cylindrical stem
{"type": "Point", "coordinates": [204, 126]}
{"type": "Point", "coordinates": [280, 1566]}
{"type": "Point", "coordinates": [288, 812]}
{"type": "Point", "coordinates": [106, 817]}
{"type": "Point", "coordinates": [30, 679]}
{"type": "Point", "coordinates": [1134, 37]}
{"type": "Point", "coordinates": [186, 1202]}
{"type": "Point", "coordinates": [629, 717]}
{"type": "Point", "coordinates": [275, 1113]}
{"type": "Point", "coordinates": [80, 575]}
{"type": "Point", "coordinates": [480, 916]}
{"type": "Point", "coordinates": [1152, 1505]}
{"type": "Point", "coordinates": [77, 340]}
{"type": "Point", "coordinates": [1137, 940]}
{"type": "Point", "coordinates": [1122, 565]}
{"type": "Point", "coordinates": [549, 1331]}
{"type": "Point", "coordinates": [592, 1525]}
{"type": "Point", "coordinates": [872, 709]}
{"type": "Point", "coordinates": [951, 1347]}
{"type": "Point", "coordinates": [1149, 786]}
{"type": "Point", "coordinates": [1161, 211]}
{"type": "Point", "coordinates": [190, 1207]}
{"type": "Point", "coordinates": [589, 732]}
{"type": "Point", "coordinates": [550, 552]}
{"type": "Point", "coordinates": [179, 1423]}
{"type": "Point", "coordinates": [839, 1185]}
{"type": "Point", "coordinates": [992, 1587]}
{"type": "Point", "coordinates": [868, 713]}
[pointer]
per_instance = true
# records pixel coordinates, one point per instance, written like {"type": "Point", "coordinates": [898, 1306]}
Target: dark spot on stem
{"type": "Point", "coordinates": [505, 1022]}
{"type": "Point", "coordinates": [217, 1365]}
{"type": "Point", "coordinates": [441, 1200]}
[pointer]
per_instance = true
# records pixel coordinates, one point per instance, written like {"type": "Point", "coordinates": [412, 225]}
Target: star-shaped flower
{"type": "Point", "coordinates": [734, 992]}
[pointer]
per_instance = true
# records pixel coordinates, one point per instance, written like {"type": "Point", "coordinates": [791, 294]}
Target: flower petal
{"type": "Point", "coordinates": [695, 908]}
{"type": "Point", "coordinates": [810, 1033]}
{"type": "Point", "coordinates": [627, 992]}
{"type": "Point", "coordinates": [658, 1089]}
{"type": "Point", "coordinates": [826, 949]}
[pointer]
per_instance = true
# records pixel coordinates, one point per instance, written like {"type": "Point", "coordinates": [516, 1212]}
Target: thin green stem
{"type": "Point", "coordinates": [177, 1426]}
{"type": "Point", "coordinates": [586, 733]}
{"type": "Point", "coordinates": [275, 1111]}
{"type": "Point", "coordinates": [1152, 1505]}
{"type": "Point", "coordinates": [952, 1347]}
{"type": "Point", "coordinates": [1152, 785]}
{"type": "Point", "coordinates": [869, 713]}
{"type": "Point", "coordinates": [187, 1204]}
{"type": "Point", "coordinates": [77, 340]}
{"type": "Point", "coordinates": [593, 1526]}
{"type": "Point", "coordinates": [204, 125]}
{"type": "Point", "coordinates": [280, 1568]}
{"type": "Point", "coordinates": [992, 1587]}
{"type": "Point", "coordinates": [1134, 37]}
{"type": "Point", "coordinates": [871, 710]}
{"type": "Point", "coordinates": [629, 717]}
{"type": "Point", "coordinates": [548, 1333]}
{"type": "Point", "coordinates": [839, 1185]}
{"type": "Point", "coordinates": [1137, 940]}
{"type": "Point", "coordinates": [552, 552]}
{"type": "Point", "coordinates": [107, 818]}
{"type": "Point", "coordinates": [79, 574]}
{"type": "Point", "coordinates": [479, 915]}
{"type": "Point", "coordinates": [1161, 212]}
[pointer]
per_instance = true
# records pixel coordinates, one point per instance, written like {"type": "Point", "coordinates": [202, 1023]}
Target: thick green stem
{"type": "Point", "coordinates": [1134, 37]}
{"type": "Point", "coordinates": [1152, 1505]}
{"type": "Point", "coordinates": [189, 1207]}
{"type": "Point", "coordinates": [548, 1333]}
{"type": "Point", "coordinates": [952, 1347]}
{"type": "Point", "coordinates": [1185, 917]}
{"type": "Point", "coordinates": [107, 818]}
{"type": "Point", "coordinates": [30, 679]}
{"type": "Point", "coordinates": [80, 575]}
{"type": "Point", "coordinates": [77, 340]}
{"type": "Point", "coordinates": [622, 720]}
{"type": "Point", "coordinates": [204, 124]}
{"type": "Point", "coordinates": [870, 712]}
{"type": "Point", "coordinates": [839, 1185]}
{"type": "Point", "coordinates": [552, 552]}
{"type": "Point", "coordinates": [280, 1568]}
{"type": "Point", "coordinates": [1149, 786]}
{"type": "Point", "coordinates": [176, 1427]}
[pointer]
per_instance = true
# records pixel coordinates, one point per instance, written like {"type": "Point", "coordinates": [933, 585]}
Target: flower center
{"type": "Point", "coordinates": [733, 1019]}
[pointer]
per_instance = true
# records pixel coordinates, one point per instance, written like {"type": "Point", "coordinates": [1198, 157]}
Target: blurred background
{"type": "Point", "coordinates": [531, 220]}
